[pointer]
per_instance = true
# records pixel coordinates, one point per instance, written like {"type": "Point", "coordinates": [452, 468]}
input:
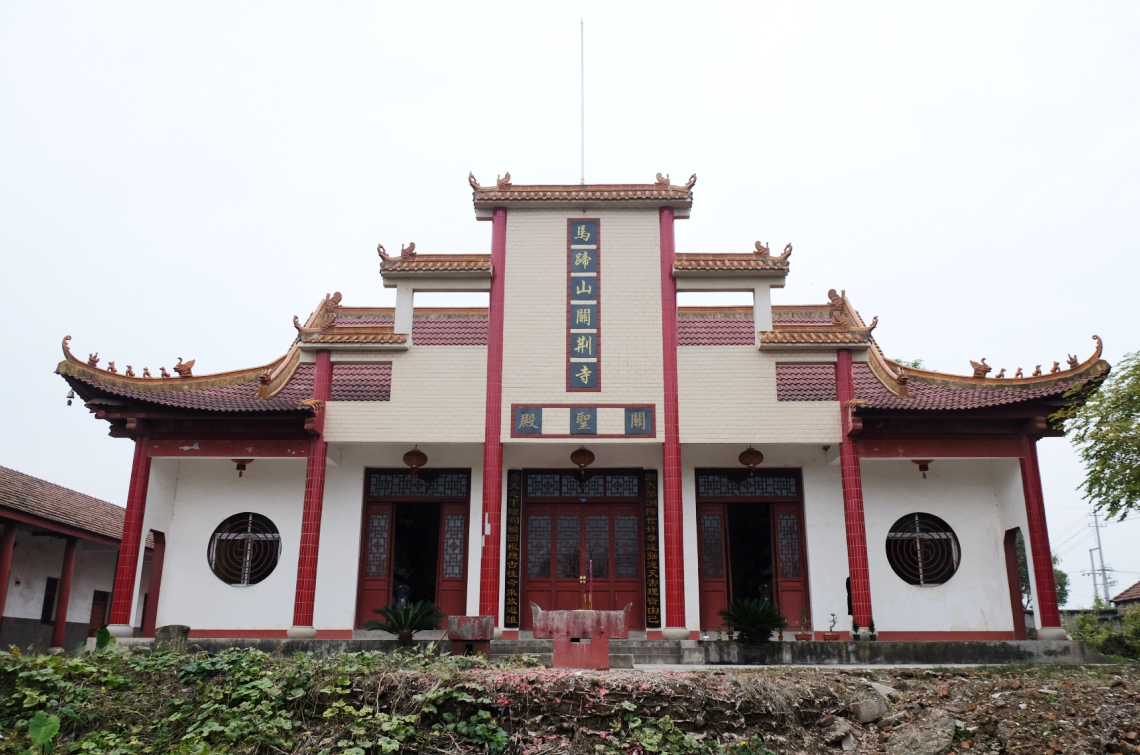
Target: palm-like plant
{"type": "Point", "coordinates": [755, 620]}
{"type": "Point", "coordinates": [404, 621]}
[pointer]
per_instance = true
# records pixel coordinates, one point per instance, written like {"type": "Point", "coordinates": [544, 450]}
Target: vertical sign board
{"type": "Point", "coordinates": [583, 327]}
{"type": "Point", "coordinates": [514, 533]}
{"type": "Point", "coordinates": [652, 553]}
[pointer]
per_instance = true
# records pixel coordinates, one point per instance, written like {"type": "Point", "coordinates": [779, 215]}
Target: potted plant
{"type": "Point", "coordinates": [805, 626]}
{"type": "Point", "coordinates": [831, 635]}
{"type": "Point", "coordinates": [755, 621]}
{"type": "Point", "coordinates": [872, 635]}
{"type": "Point", "coordinates": [405, 620]}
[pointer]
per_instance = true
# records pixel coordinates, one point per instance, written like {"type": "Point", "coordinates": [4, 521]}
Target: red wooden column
{"type": "Point", "coordinates": [314, 502]}
{"type": "Point", "coordinates": [671, 456]}
{"type": "Point", "coordinates": [857, 566]}
{"type": "Point", "coordinates": [151, 615]}
{"type": "Point", "coordinates": [1049, 620]}
{"type": "Point", "coordinates": [7, 544]}
{"type": "Point", "coordinates": [492, 443]}
{"type": "Point", "coordinates": [63, 597]}
{"type": "Point", "coordinates": [123, 598]}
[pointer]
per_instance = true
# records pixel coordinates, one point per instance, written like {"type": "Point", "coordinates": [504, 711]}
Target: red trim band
{"type": "Point", "coordinates": [493, 427]}
{"type": "Point", "coordinates": [123, 598]}
{"type": "Point", "coordinates": [1046, 596]}
{"type": "Point", "coordinates": [671, 453]}
{"type": "Point", "coordinates": [314, 500]}
{"type": "Point", "coordinates": [856, 527]}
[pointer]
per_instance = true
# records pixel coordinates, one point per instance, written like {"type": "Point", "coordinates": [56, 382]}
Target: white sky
{"type": "Point", "coordinates": [180, 179]}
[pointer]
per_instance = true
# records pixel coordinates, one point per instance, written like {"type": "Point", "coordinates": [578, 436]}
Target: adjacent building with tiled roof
{"type": "Point", "coordinates": [58, 549]}
{"type": "Point", "coordinates": [491, 458]}
{"type": "Point", "coordinates": [1129, 597]}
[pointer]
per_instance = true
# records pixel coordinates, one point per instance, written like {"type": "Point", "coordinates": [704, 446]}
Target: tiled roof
{"type": "Point", "coordinates": [59, 504]}
{"type": "Point", "coordinates": [1131, 594]}
{"type": "Point", "coordinates": [927, 396]}
{"type": "Point", "coordinates": [812, 336]}
{"type": "Point", "coordinates": [727, 262]}
{"type": "Point", "coordinates": [805, 382]}
{"type": "Point", "coordinates": [434, 326]}
{"type": "Point", "coordinates": [339, 335]}
{"type": "Point", "coordinates": [351, 382]}
{"type": "Point", "coordinates": [438, 263]}
{"type": "Point", "coordinates": [715, 331]}
{"type": "Point", "coordinates": [576, 192]}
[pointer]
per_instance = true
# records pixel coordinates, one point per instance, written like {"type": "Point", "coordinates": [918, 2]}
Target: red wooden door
{"type": "Point", "coordinates": [451, 576]}
{"type": "Point", "coordinates": [712, 551]}
{"type": "Point", "coordinates": [98, 612]}
{"type": "Point", "coordinates": [375, 584]}
{"type": "Point", "coordinates": [561, 541]}
{"type": "Point", "coordinates": [790, 566]}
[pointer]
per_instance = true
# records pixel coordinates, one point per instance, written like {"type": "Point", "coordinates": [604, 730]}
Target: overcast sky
{"type": "Point", "coordinates": [180, 179]}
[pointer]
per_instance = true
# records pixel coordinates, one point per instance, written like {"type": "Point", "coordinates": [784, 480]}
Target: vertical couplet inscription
{"type": "Point", "coordinates": [652, 554]}
{"type": "Point", "coordinates": [514, 530]}
{"type": "Point", "coordinates": [583, 329]}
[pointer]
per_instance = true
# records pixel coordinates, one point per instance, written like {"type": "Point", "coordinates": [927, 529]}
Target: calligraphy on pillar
{"type": "Point", "coordinates": [652, 553]}
{"type": "Point", "coordinates": [583, 317]}
{"type": "Point", "coordinates": [514, 530]}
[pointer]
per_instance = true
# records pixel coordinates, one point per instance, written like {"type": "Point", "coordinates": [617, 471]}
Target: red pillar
{"type": "Point", "coordinates": [63, 597]}
{"type": "Point", "coordinates": [314, 502]}
{"type": "Point", "coordinates": [857, 567]}
{"type": "Point", "coordinates": [157, 559]}
{"type": "Point", "coordinates": [492, 445]}
{"type": "Point", "coordinates": [1049, 615]}
{"type": "Point", "coordinates": [671, 461]}
{"type": "Point", "coordinates": [7, 544]}
{"type": "Point", "coordinates": [123, 597]}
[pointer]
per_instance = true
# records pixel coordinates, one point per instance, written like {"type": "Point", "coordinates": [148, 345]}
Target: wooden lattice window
{"type": "Point", "coordinates": [626, 555]}
{"type": "Point", "coordinates": [712, 546]}
{"type": "Point", "coordinates": [244, 549]}
{"type": "Point", "coordinates": [923, 550]}
{"type": "Point", "coordinates": [538, 546]}
{"type": "Point", "coordinates": [453, 526]}
{"type": "Point", "coordinates": [788, 545]}
{"type": "Point", "coordinates": [598, 545]}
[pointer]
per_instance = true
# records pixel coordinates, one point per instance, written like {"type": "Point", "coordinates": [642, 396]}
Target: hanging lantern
{"type": "Point", "coordinates": [923, 465]}
{"type": "Point", "coordinates": [241, 464]}
{"type": "Point", "coordinates": [70, 396]}
{"type": "Point", "coordinates": [583, 458]}
{"type": "Point", "coordinates": [415, 459]}
{"type": "Point", "coordinates": [751, 458]}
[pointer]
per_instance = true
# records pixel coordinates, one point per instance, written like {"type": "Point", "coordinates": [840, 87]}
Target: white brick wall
{"type": "Point", "coordinates": [728, 395]}
{"type": "Point", "coordinates": [439, 395]}
{"type": "Point", "coordinates": [534, 350]}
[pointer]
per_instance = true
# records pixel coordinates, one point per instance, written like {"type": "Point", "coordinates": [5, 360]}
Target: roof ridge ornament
{"type": "Point", "coordinates": [981, 368]}
{"type": "Point", "coordinates": [691, 182]}
{"type": "Point", "coordinates": [185, 369]}
{"type": "Point", "coordinates": [787, 253]}
{"type": "Point", "coordinates": [763, 249]}
{"type": "Point", "coordinates": [662, 182]}
{"type": "Point", "coordinates": [473, 181]}
{"type": "Point", "coordinates": [503, 183]}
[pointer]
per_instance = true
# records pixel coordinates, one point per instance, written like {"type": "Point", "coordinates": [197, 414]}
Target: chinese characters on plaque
{"type": "Point", "coordinates": [528, 420]}
{"type": "Point", "coordinates": [652, 554]}
{"type": "Point", "coordinates": [514, 535]}
{"type": "Point", "coordinates": [583, 421]}
{"type": "Point", "coordinates": [583, 344]}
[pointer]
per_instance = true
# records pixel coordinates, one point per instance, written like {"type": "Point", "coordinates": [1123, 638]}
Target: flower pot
{"type": "Point", "coordinates": [830, 636]}
{"type": "Point", "coordinates": [753, 655]}
{"type": "Point", "coordinates": [803, 636]}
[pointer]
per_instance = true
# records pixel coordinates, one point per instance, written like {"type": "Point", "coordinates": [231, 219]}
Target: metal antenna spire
{"type": "Point", "coordinates": [582, 59]}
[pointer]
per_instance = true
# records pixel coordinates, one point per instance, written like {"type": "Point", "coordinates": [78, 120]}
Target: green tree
{"type": "Point", "coordinates": [1106, 432]}
{"type": "Point", "coordinates": [917, 364]}
{"type": "Point", "coordinates": [1060, 577]}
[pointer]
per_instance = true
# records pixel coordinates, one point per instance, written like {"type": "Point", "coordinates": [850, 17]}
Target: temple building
{"type": "Point", "coordinates": [585, 440]}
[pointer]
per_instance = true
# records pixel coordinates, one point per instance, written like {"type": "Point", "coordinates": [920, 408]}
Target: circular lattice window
{"type": "Point", "coordinates": [923, 550]}
{"type": "Point", "coordinates": [244, 549]}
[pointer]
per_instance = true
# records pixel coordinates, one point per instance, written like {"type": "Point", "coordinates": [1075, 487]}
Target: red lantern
{"type": "Point", "coordinates": [583, 458]}
{"type": "Point", "coordinates": [751, 458]}
{"type": "Point", "coordinates": [415, 459]}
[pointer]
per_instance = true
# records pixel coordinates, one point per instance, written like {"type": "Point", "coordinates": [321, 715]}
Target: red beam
{"type": "Point", "coordinates": [934, 449]}
{"type": "Point", "coordinates": [673, 524]}
{"type": "Point", "coordinates": [230, 449]}
{"type": "Point", "coordinates": [63, 597]}
{"type": "Point", "coordinates": [53, 526]}
{"type": "Point", "coordinates": [493, 422]}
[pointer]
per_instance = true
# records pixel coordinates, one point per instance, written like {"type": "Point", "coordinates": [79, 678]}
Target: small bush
{"type": "Point", "coordinates": [755, 620]}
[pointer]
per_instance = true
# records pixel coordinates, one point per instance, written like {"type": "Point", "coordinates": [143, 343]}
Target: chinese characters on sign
{"type": "Point", "coordinates": [528, 420]}
{"type": "Point", "coordinates": [652, 554]}
{"type": "Point", "coordinates": [583, 421]}
{"type": "Point", "coordinates": [514, 534]}
{"type": "Point", "coordinates": [582, 320]}
{"type": "Point", "coordinates": [639, 420]}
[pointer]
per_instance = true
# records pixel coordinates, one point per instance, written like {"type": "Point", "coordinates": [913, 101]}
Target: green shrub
{"type": "Point", "coordinates": [755, 620]}
{"type": "Point", "coordinates": [404, 621]}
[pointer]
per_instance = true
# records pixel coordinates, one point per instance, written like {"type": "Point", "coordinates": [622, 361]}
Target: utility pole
{"type": "Point", "coordinates": [1092, 571]}
{"type": "Point", "coordinates": [1100, 550]}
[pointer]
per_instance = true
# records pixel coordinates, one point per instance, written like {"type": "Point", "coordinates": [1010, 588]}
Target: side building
{"type": "Point", "coordinates": [584, 433]}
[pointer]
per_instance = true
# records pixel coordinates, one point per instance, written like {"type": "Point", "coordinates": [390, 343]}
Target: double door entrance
{"type": "Point", "coordinates": [582, 544]}
{"type": "Point", "coordinates": [413, 541]}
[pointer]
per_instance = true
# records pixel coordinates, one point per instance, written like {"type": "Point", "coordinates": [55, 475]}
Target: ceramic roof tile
{"type": "Point", "coordinates": [574, 192]}
{"type": "Point", "coordinates": [812, 336]}
{"type": "Point", "coordinates": [59, 504]}
{"type": "Point", "coordinates": [928, 396]}
{"type": "Point", "coordinates": [1131, 594]}
{"type": "Point", "coordinates": [437, 263]}
{"type": "Point", "coordinates": [708, 331]}
{"type": "Point", "coordinates": [805, 382]}
{"type": "Point", "coordinates": [727, 262]}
